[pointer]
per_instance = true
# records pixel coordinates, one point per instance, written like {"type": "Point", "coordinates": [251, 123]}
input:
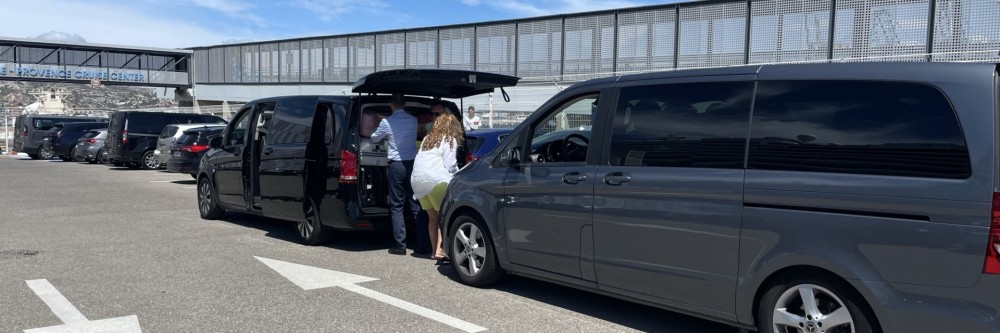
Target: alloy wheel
{"type": "Point", "coordinates": [307, 226]}
{"type": "Point", "coordinates": [149, 160]}
{"type": "Point", "coordinates": [469, 249]}
{"type": "Point", "coordinates": [809, 308]}
{"type": "Point", "coordinates": [205, 197]}
{"type": "Point", "coordinates": [45, 154]}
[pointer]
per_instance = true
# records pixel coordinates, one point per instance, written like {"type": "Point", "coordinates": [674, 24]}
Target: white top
{"type": "Point", "coordinates": [471, 123]}
{"type": "Point", "coordinates": [432, 167]}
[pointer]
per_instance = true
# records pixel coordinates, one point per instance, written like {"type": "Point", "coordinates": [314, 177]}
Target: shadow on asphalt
{"type": "Point", "coordinates": [352, 241]}
{"type": "Point", "coordinates": [636, 316]}
{"type": "Point", "coordinates": [185, 182]}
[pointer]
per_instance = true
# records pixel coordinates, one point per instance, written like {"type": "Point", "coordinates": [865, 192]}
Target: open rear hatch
{"type": "Point", "coordinates": [444, 83]}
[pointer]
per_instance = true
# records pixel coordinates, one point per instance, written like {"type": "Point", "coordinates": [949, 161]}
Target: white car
{"type": "Point", "coordinates": [170, 134]}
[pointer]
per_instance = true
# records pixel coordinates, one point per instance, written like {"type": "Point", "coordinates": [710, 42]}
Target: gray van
{"type": "Point", "coordinates": [31, 130]}
{"type": "Point", "coordinates": [857, 197]}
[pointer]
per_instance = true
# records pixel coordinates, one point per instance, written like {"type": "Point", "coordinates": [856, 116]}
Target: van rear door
{"type": "Point", "coordinates": [443, 83]}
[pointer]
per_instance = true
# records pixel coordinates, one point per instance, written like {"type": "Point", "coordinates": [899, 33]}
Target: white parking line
{"type": "Point", "coordinates": [56, 301]}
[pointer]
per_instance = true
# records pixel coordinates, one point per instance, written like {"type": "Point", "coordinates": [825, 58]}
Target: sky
{"type": "Point", "coordinates": [189, 23]}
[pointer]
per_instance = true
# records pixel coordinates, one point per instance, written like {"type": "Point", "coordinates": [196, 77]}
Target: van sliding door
{"type": "Point", "coordinates": [282, 157]}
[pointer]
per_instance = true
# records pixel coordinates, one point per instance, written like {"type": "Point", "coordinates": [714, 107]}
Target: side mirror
{"type": "Point", "coordinates": [514, 157]}
{"type": "Point", "coordinates": [215, 142]}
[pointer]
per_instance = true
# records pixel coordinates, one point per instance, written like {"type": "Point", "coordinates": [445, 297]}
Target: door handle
{"type": "Point", "coordinates": [617, 178]}
{"type": "Point", "coordinates": [574, 177]}
{"type": "Point", "coordinates": [268, 151]}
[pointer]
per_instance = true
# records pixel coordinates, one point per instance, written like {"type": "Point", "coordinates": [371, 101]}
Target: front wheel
{"type": "Point", "coordinates": [311, 228]}
{"type": "Point", "coordinates": [149, 161]}
{"type": "Point", "coordinates": [472, 253]}
{"type": "Point", "coordinates": [208, 205]}
{"type": "Point", "coordinates": [814, 305]}
{"type": "Point", "coordinates": [45, 154]}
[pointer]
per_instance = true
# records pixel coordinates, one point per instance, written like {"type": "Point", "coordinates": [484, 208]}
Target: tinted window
{"type": "Point", "coordinates": [473, 143]}
{"type": "Point", "coordinates": [146, 123]}
{"type": "Point", "coordinates": [206, 135]}
{"type": "Point", "coordinates": [193, 119]}
{"type": "Point", "coordinates": [564, 135]}
{"type": "Point", "coordinates": [878, 128]}
{"type": "Point", "coordinates": [91, 134]}
{"type": "Point", "coordinates": [169, 132]}
{"type": "Point", "coordinates": [291, 121]}
{"type": "Point", "coordinates": [700, 125]}
{"type": "Point", "coordinates": [335, 115]}
{"type": "Point", "coordinates": [239, 129]}
{"type": "Point", "coordinates": [187, 138]}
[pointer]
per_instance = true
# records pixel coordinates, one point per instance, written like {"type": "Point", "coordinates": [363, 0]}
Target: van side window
{"type": "Point", "coordinates": [875, 128]}
{"type": "Point", "coordinates": [564, 135]}
{"type": "Point", "coordinates": [334, 116]}
{"type": "Point", "coordinates": [292, 121]}
{"type": "Point", "coordinates": [240, 125]}
{"type": "Point", "coordinates": [697, 125]}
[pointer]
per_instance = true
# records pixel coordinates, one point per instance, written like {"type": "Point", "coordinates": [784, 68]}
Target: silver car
{"type": "Point", "coordinates": [846, 197]}
{"type": "Point", "coordinates": [170, 134]}
{"type": "Point", "coordinates": [90, 147]}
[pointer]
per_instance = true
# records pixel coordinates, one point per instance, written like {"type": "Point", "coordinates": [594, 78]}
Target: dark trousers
{"type": "Point", "coordinates": [401, 196]}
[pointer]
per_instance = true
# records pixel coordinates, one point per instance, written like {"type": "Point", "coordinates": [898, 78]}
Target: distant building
{"type": "Point", "coordinates": [51, 100]}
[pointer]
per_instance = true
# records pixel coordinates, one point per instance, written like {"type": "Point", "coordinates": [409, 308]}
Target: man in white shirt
{"type": "Point", "coordinates": [471, 121]}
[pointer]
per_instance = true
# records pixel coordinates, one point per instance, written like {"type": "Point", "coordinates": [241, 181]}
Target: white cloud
{"type": "Point", "coordinates": [550, 7]}
{"type": "Point", "coordinates": [471, 2]}
{"type": "Point", "coordinates": [113, 23]}
{"type": "Point", "coordinates": [330, 9]}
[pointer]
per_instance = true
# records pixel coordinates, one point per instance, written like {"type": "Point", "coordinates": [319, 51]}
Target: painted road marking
{"type": "Point", "coordinates": [309, 278]}
{"type": "Point", "coordinates": [73, 320]}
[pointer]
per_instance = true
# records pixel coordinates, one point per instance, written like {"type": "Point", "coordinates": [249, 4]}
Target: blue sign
{"type": "Point", "coordinates": [48, 72]}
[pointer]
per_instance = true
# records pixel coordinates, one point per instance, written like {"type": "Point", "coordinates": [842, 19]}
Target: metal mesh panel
{"type": "Point", "coordinates": [336, 60]}
{"type": "Point", "coordinates": [589, 47]}
{"type": "Point", "coordinates": [233, 69]}
{"type": "Point", "coordinates": [495, 48]}
{"type": "Point", "coordinates": [216, 64]}
{"type": "Point", "coordinates": [390, 49]}
{"type": "Point", "coordinates": [966, 30]}
{"type": "Point", "coordinates": [201, 66]}
{"type": "Point", "coordinates": [646, 40]}
{"type": "Point", "coordinates": [269, 62]}
{"type": "Point", "coordinates": [539, 48]}
{"type": "Point", "coordinates": [881, 30]}
{"type": "Point", "coordinates": [456, 48]}
{"type": "Point", "coordinates": [712, 35]}
{"type": "Point", "coordinates": [251, 63]}
{"type": "Point", "coordinates": [362, 56]}
{"type": "Point", "coordinates": [789, 31]}
{"type": "Point", "coordinates": [289, 62]}
{"type": "Point", "coordinates": [312, 61]}
{"type": "Point", "coordinates": [421, 47]}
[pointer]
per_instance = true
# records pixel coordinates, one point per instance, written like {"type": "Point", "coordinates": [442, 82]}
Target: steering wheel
{"type": "Point", "coordinates": [553, 152]}
{"type": "Point", "coordinates": [575, 147]}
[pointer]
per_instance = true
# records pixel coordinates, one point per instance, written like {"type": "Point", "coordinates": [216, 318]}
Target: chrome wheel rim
{"type": "Point", "coordinates": [204, 197]}
{"type": "Point", "coordinates": [150, 161]}
{"type": "Point", "coordinates": [808, 308]}
{"type": "Point", "coordinates": [45, 154]}
{"type": "Point", "coordinates": [469, 249]}
{"type": "Point", "coordinates": [307, 226]}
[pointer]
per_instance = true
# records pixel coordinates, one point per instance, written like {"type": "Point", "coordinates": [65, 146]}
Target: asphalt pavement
{"type": "Point", "coordinates": [105, 244]}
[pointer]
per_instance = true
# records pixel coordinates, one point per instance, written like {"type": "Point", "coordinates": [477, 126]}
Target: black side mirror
{"type": "Point", "coordinates": [215, 142]}
{"type": "Point", "coordinates": [514, 157]}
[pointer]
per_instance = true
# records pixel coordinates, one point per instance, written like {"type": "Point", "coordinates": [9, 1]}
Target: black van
{"type": "Point", "coordinates": [310, 159]}
{"type": "Point", "coordinates": [31, 130]}
{"type": "Point", "coordinates": [132, 135]}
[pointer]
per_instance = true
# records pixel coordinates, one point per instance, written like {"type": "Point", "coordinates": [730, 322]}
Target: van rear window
{"type": "Point", "coordinates": [859, 127]}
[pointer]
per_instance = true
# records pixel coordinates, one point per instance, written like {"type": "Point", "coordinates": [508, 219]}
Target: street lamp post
{"type": "Point", "coordinates": [6, 129]}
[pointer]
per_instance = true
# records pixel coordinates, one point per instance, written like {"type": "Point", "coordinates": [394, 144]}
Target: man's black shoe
{"type": "Point", "coordinates": [397, 251]}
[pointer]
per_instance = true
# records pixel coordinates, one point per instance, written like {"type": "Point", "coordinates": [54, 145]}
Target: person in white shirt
{"type": "Point", "coordinates": [432, 169]}
{"type": "Point", "coordinates": [471, 121]}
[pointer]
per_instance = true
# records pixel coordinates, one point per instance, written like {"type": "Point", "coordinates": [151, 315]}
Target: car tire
{"type": "Point", "coordinates": [311, 229]}
{"type": "Point", "coordinates": [148, 161]}
{"type": "Point", "coordinates": [101, 158]}
{"type": "Point", "coordinates": [474, 259]}
{"type": "Point", "coordinates": [208, 202]}
{"type": "Point", "coordinates": [45, 154]}
{"type": "Point", "coordinates": [836, 308]}
{"type": "Point", "coordinates": [73, 157]}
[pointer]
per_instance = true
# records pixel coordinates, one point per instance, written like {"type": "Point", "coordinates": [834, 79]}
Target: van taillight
{"type": "Point", "coordinates": [25, 132]}
{"type": "Point", "coordinates": [348, 167]}
{"type": "Point", "coordinates": [124, 137]}
{"type": "Point", "coordinates": [91, 140]}
{"type": "Point", "coordinates": [992, 265]}
{"type": "Point", "coordinates": [469, 158]}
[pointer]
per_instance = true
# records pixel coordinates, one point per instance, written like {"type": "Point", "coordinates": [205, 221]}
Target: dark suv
{"type": "Point", "coordinates": [850, 197]}
{"type": "Point", "coordinates": [132, 135]}
{"type": "Point", "coordinates": [185, 153]}
{"type": "Point", "coordinates": [62, 143]}
{"type": "Point", "coordinates": [309, 159]}
{"type": "Point", "coordinates": [32, 128]}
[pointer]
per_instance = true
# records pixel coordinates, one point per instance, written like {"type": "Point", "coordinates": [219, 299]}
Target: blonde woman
{"type": "Point", "coordinates": [432, 169]}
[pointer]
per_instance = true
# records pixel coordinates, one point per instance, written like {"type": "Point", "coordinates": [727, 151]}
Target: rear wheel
{"type": "Point", "coordinates": [208, 205]}
{"type": "Point", "coordinates": [101, 158]}
{"type": "Point", "coordinates": [311, 228]}
{"type": "Point", "coordinates": [472, 252]}
{"type": "Point", "coordinates": [149, 161]}
{"type": "Point", "coordinates": [814, 305]}
{"type": "Point", "coordinates": [73, 156]}
{"type": "Point", "coordinates": [45, 154]}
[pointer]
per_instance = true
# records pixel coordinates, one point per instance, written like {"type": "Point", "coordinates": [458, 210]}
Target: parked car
{"type": "Point", "coordinates": [62, 139]}
{"type": "Point", "coordinates": [186, 152]}
{"type": "Point", "coordinates": [132, 135]}
{"type": "Point", "coordinates": [90, 147]}
{"type": "Point", "coordinates": [31, 130]}
{"type": "Point", "coordinates": [856, 197]}
{"type": "Point", "coordinates": [480, 142]}
{"type": "Point", "coordinates": [310, 159]}
{"type": "Point", "coordinates": [169, 135]}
